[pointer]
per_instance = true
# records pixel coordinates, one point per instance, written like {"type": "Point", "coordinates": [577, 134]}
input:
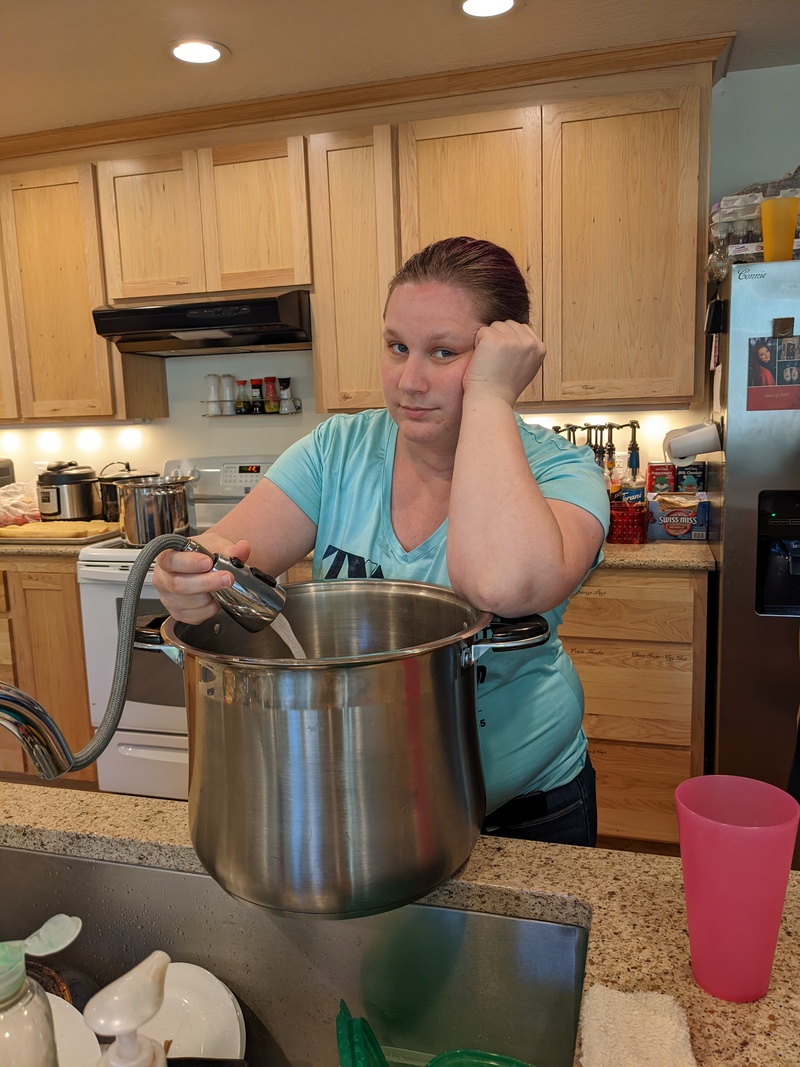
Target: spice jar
{"type": "Point", "coordinates": [227, 392]}
{"type": "Point", "coordinates": [244, 403]}
{"type": "Point", "coordinates": [271, 402]}
{"type": "Point", "coordinates": [257, 394]}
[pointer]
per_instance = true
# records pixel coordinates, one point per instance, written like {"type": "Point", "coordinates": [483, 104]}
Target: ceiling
{"type": "Point", "coordinates": [72, 62]}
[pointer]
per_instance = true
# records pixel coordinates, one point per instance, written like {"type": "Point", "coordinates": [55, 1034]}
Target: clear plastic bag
{"type": "Point", "coordinates": [19, 504]}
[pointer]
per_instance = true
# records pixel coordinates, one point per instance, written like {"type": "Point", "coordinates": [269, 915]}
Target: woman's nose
{"type": "Point", "coordinates": [412, 377]}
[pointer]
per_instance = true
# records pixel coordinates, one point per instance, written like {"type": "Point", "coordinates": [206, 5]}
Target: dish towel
{"type": "Point", "coordinates": [633, 1030]}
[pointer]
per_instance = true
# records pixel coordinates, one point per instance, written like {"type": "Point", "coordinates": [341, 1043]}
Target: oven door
{"type": "Point", "coordinates": [145, 765]}
{"type": "Point", "coordinates": [155, 696]}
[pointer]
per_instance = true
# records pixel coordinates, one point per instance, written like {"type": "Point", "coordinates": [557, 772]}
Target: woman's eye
{"type": "Point", "coordinates": [398, 348]}
{"type": "Point", "coordinates": [444, 353]}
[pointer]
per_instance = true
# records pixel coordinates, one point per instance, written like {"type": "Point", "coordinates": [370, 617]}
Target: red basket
{"type": "Point", "coordinates": [629, 524]}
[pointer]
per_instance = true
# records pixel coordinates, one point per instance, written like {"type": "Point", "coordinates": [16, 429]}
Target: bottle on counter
{"type": "Point", "coordinates": [123, 1007]}
{"type": "Point", "coordinates": [633, 483]}
{"type": "Point", "coordinates": [257, 396]}
{"type": "Point", "coordinates": [27, 1034]}
{"type": "Point", "coordinates": [244, 402]}
{"type": "Point", "coordinates": [271, 402]}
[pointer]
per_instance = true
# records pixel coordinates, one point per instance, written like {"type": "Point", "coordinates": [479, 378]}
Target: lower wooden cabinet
{"type": "Point", "coordinates": [41, 650]}
{"type": "Point", "coordinates": [638, 641]}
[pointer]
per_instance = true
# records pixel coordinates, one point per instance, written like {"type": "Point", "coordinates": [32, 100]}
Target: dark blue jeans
{"type": "Point", "coordinates": [565, 816]}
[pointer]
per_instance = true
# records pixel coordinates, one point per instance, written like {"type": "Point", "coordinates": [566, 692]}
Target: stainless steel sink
{"type": "Point", "coordinates": [428, 979]}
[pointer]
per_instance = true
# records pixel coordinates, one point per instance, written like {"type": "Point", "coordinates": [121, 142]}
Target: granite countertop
{"type": "Point", "coordinates": [655, 555]}
{"type": "Point", "coordinates": [632, 902]}
{"type": "Point", "coordinates": [660, 555]}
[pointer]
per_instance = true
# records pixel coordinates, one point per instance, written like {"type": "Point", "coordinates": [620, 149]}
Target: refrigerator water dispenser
{"type": "Point", "coordinates": [778, 553]}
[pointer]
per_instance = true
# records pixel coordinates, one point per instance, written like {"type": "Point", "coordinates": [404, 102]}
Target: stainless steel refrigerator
{"type": "Point", "coordinates": [754, 489]}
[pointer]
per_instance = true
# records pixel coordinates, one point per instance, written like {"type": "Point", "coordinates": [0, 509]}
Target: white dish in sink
{"type": "Point", "coordinates": [199, 1015]}
{"type": "Point", "coordinates": [76, 1045]}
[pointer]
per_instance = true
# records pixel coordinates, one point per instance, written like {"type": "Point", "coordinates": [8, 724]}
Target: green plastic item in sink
{"type": "Point", "coordinates": [358, 1047]}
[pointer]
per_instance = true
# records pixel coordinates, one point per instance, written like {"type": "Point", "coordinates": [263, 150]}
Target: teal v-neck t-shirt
{"type": "Point", "coordinates": [530, 702]}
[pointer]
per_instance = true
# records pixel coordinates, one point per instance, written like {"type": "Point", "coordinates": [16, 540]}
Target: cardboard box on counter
{"type": "Point", "coordinates": [678, 516]}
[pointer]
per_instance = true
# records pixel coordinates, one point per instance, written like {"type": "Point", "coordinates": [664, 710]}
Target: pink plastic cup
{"type": "Point", "coordinates": [736, 837]}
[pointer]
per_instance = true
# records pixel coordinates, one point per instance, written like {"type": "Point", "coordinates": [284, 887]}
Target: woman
{"type": "Point", "coordinates": [448, 486]}
{"type": "Point", "coordinates": [763, 373]}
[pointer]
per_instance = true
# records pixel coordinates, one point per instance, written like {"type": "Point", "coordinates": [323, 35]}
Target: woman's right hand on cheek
{"type": "Point", "coordinates": [184, 580]}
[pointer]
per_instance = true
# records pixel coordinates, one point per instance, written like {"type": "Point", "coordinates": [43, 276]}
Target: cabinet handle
{"type": "Point", "coordinates": [156, 752]}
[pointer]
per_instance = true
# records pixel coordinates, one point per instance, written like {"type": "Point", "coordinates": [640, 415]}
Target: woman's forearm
{"type": "Point", "coordinates": [509, 550]}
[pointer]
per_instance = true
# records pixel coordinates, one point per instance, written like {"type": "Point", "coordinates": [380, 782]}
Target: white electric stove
{"type": "Point", "coordinates": [148, 755]}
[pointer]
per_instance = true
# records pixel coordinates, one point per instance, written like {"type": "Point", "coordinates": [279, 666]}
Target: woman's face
{"type": "Point", "coordinates": [429, 336]}
{"type": "Point", "coordinates": [763, 354]}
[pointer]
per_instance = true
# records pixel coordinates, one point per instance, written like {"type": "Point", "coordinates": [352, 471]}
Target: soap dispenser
{"type": "Point", "coordinates": [27, 1038]}
{"type": "Point", "coordinates": [125, 1005]}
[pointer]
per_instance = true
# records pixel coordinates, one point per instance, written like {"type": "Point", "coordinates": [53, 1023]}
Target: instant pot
{"type": "Point", "coordinates": [68, 491]}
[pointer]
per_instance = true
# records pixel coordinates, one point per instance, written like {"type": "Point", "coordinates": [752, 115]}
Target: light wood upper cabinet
{"type": "Point", "coordinates": [210, 220]}
{"type": "Point", "coordinates": [479, 176]}
{"type": "Point", "coordinates": [152, 232]}
{"type": "Point", "coordinates": [353, 213]}
{"type": "Point", "coordinates": [254, 202]}
{"type": "Point", "coordinates": [54, 279]}
{"type": "Point", "coordinates": [621, 201]}
{"type": "Point", "coordinates": [53, 364]}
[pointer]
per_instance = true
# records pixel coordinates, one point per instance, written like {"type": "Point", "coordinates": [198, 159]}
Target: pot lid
{"type": "Point", "coordinates": [66, 472]}
{"type": "Point", "coordinates": [126, 475]}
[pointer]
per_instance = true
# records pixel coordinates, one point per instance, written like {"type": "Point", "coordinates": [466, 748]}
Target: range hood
{"type": "Point", "coordinates": [205, 328]}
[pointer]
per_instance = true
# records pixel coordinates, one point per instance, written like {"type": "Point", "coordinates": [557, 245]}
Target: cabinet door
{"type": "Point", "coordinates": [152, 231]}
{"type": "Point", "coordinates": [620, 230]}
{"type": "Point", "coordinates": [54, 278]}
{"type": "Point", "coordinates": [11, 757]}
{"type": "Point", "coordinates": [9, 401]}
{"type": "Point", "coordinates": [48, 647]}
{"type": "Point", "coordinates": [480, 176]}
{"type": "Point", "coordinates": [351, 180]}
{"type": "Point", "coordinates": [254, 204]}
{"type": "Point", "coordinates": [637, 639]}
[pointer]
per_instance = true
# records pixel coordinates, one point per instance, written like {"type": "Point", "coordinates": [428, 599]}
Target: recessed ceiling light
{"type": "Point", "coordinates": [484, 9]}
{"type": "Point", "coordinates": [199, 51]}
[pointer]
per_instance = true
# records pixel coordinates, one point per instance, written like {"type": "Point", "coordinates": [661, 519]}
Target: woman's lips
{"type": "Point", "coordinates": [415, 413]}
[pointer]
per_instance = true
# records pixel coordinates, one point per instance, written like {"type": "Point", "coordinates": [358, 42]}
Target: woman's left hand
{"type": "Point", "coordinates": [507, 357]}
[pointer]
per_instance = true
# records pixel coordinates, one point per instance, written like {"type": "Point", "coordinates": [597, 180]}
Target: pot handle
{"type": "Point", "coordinates": [507, 634]}
{"type": "Point", "coordinates": [147, 638]}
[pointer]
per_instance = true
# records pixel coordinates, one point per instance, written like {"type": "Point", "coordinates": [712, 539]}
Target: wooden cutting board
{"type": "Point", "coordinates": [58, 532]}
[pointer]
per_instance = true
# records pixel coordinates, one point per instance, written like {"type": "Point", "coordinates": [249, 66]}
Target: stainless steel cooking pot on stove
{"type": "Point", "coordinates": [152, 506]}
{"type": "Point", "coordinates": [109, 479]}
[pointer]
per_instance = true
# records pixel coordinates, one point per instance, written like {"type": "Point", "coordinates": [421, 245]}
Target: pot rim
{"type": "Point", "coordinates": [464, 636]}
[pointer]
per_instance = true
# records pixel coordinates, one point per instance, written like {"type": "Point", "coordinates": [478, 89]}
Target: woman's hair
{"type": "Point", "coordinates": [485, 270]}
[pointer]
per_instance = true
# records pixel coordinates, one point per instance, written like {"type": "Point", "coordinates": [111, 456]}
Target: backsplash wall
{"type": "Point", "coordinates": [188, 433]}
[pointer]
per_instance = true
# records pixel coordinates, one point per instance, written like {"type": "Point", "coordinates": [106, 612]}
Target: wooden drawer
{"type": "Point", "coordinates": [634, 606]}
{"type": "Point", "coordinates": [3, 592]}
{"type": "Point", "coordinates": [635, 692]}
{"type": "Point", "coordinates": [7, 672]}
{"type": "Point", "coordinates": [635, 789]}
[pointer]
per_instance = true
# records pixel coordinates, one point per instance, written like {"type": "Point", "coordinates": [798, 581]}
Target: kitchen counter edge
{"type": "Point", "coordinates": [633, 903]}
{"type": "Point", "coordinates": [654, 555]}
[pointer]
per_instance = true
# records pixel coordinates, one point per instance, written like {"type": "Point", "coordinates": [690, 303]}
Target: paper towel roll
{"type": "Point", "coordinates": [685, 444]}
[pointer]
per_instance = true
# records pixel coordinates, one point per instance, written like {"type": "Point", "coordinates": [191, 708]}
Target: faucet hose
{"type": "Point", "coordinates": [125, 639]}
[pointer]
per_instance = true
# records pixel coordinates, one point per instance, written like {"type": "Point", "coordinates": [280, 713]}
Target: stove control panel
{"type": "Point", "coordinates": [242, 475]}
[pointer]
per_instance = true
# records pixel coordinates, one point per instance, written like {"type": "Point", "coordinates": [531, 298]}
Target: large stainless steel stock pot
{"type": "Point", "coordinates": [348, 782]}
